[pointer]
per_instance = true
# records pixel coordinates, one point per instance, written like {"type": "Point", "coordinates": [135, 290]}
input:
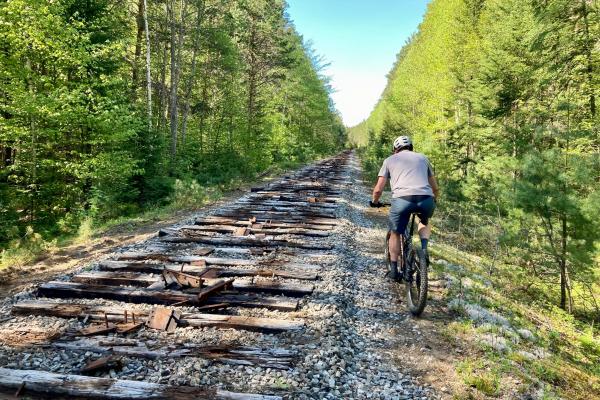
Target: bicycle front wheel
{"type": "Point", "coordinates": [417, 284]}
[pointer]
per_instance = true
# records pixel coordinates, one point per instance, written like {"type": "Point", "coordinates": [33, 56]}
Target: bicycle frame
{"type": "Point", "coordinates": [406, 242]}
{"type": "Point", "coordinates": [413, 267]}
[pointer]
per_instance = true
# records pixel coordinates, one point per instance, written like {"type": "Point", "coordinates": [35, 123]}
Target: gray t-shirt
{"type": "Point", "coordinates": [408, 173]}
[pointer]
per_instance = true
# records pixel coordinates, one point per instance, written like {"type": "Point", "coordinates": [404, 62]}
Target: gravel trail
{"type": "Point", "coordinates": [347, 350]}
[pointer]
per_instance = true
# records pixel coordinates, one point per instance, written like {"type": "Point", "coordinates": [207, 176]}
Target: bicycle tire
{"type": "Point", "coordinates": [417, 286]}
{"type": "Point", "coordinates": [388, 261]}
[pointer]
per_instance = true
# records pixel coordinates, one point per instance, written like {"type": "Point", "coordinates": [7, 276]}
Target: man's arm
{"type": "Point", "coordinates": [434, 186]}
{"type": "Point", "coordinates": [378, 189]}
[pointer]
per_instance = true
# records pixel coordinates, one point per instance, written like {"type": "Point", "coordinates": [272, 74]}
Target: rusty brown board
{"type": "Point", "coordinates": [163, 319]}
{"type": "Point", "coordinates": [181, 278]}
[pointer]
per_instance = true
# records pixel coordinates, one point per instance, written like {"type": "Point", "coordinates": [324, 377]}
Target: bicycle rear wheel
{"type": "Point", "coordinates": [417, 284]}
{"type": "Point", "coordinates": [388, 262]}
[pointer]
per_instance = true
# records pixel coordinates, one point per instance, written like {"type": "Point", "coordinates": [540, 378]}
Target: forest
{"type": "Point", "coordinates": [501, 95]}
{"type": "Point", "coordinates": [108, 108]}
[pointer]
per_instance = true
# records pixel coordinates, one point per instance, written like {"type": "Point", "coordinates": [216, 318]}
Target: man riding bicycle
{"type": "Point", "coordinates": [414, 190]}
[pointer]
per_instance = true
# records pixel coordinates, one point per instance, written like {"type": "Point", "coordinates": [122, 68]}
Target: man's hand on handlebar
{"type": "Point", "coordinates": [377, 204]}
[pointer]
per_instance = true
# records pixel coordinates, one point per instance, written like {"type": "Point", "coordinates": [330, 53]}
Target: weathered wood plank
{"type": "Point", "coordinates": [277, 211]}
{"type": "Point", "coordinates": [79, 386]}
{"type": "Point", "coordinates": [266, 358]}
{"type": "Point", "coordinates": [290, 196]}
{"type": "Point", "coordinates": [247, 323]}
{"type": "Point", "coordinates": [236, 222]}
{"type": "Point", "coordinates": [251, 230]}
{"type": "Point", "coordinates": [217, 261]}
{"type": "Point", "coordinates": [296, 273]}
{"type": "Point", "coordinates": [117, 278]}
{"type": "Point", "coordinates": [136, 295]}
{"type": "Point", "coordinates": [270, 201]}
{"type": "Point", "coordinates": [244, 241]}
{"type": "Point", "coordinates": [263, 216]}
{"type": "Point", "coordinates": [214, 287]}
{"type": "Point", "coordinates": [115, 314]}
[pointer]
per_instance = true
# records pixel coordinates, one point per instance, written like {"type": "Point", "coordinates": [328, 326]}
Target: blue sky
{"type": "Point", "coordinates": [360, 38]}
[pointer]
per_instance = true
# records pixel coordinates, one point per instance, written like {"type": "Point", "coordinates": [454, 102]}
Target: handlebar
{"type": "Point", "coordinates": [379, 205]}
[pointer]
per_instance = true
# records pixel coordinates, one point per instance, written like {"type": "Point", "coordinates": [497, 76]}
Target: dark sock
{"type": "Point", "coordinates": [395, 265]}
{"type": "Point", "coordinates": [424, 243]}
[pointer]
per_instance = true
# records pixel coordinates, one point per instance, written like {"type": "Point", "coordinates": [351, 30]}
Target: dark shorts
{"type": "Point", "coordinates": [402, 207]}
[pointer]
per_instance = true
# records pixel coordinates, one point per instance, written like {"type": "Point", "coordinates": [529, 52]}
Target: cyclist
{"type": "Point", "coordinates": [414, 190]}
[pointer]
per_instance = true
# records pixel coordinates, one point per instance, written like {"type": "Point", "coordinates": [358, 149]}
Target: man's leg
{"type": "Point", "coordinates": [424, 234]}
{"type": "Point", "coordinates": [426, 208]}
{"type": "Point", "coordinates": [394, 246]}
{"type": "Point", "coordinates": [398, 219]}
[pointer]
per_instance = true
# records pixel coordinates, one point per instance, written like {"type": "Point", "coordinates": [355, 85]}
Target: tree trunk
{"type": "Point", "coordinates": [162, 103]}
{"type": "Point", "coordinates": [589, 60]}
{"type": "Point", "coordinates": [138, 49]}
{"type": "Point", "coordinates": [202, 116]}
{"type": "Point", "coordinates": [252, 80]}
{"type": "Point", "coordinates": [148, 66]}
{"type": "Point", "coordinates": [33, 128]}
{"type": "Point", "coordinates": [566, 303]}
{"type": "Point", "coordinates": [174, 70]}
{"type": "Point", "coordinates": [190, 82]}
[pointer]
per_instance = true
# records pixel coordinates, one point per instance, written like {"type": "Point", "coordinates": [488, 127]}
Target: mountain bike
{"type": "Point", "coordinates": [413, 269]}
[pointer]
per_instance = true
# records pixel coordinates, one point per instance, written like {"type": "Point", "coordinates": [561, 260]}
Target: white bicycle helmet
{"type": "Point", "coordinates": [402, 141]}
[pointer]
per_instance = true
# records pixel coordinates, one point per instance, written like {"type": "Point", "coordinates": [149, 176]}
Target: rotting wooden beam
{"type": "Point", "coordinates": [198, 260]}
{"type": "Point", "coordinates": [237, 222]}
{"type": "Point", "coordinates": [214, 287]}
{"type": "Point", "coordinates": [296, 273]}
{"type": "Point", "coordinates": [116, 314]}
{"type": "Point", "coordinates": [145, 280]}
{"type": "Point", "coordinates": [244, 241]}
{"type": "Point", "coordinates": [269, 201]}
{"type": "Point", "coordinates": [136, 295]}
{"type": "Point", "coordinates": [294, 197]}
{"type": "Point", "coordinates": [238, 355]}
{"type": "Point", "coordinates": [290, 213]}
{"type": "Point", "coordinates": [253, 231]}
{"type": "Point", "coordinates": [80, 386]}
{"type": "Point", "coordinates": [262, 216]}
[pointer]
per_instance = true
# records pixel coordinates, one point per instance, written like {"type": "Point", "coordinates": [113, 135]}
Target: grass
{"type": "Point", "coordinates": [477, 375]}
{"type": "Point", "coordinates": [568, 365]}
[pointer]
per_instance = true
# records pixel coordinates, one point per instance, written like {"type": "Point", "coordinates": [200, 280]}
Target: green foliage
{"type": "Point", "coordinates": [234, 92]}
{"type": "Point", "coordinates": [501, 95]}
{"type": "Point", "coordinates": [474, 374]}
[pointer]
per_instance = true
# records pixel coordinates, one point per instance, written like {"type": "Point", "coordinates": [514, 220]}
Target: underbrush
{"type": "Point", "coordinates": [520, 347]}
{"type": "Point", "coordinates": [187, 195]}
